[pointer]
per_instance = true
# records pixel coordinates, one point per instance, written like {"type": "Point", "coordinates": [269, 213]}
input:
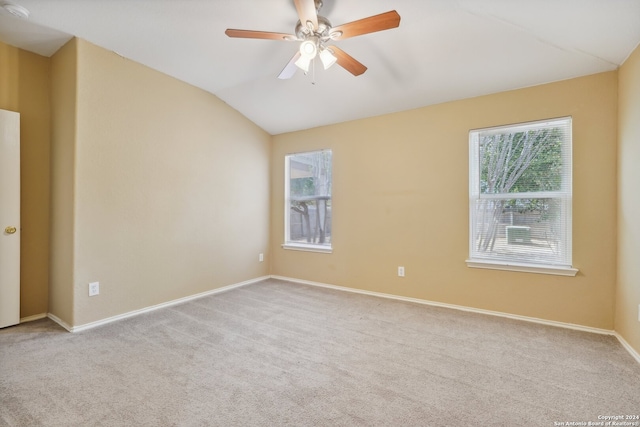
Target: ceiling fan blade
{"type": "Point", "coordinates": [290, 69]}
{"type": "Point", "coordinates": [250, 34]}
{"type": "Point", "coordinates": [347, 62]}
{"type": "Point", "coordinates": [307, 12]}
{"type": "Point", "coordinates": [384, 21]}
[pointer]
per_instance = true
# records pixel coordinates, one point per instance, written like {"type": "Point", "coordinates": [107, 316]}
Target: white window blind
{"type": "Point", "coordinates": [520, 194]}
{"type": "Point", "coordinates": [308, 207]}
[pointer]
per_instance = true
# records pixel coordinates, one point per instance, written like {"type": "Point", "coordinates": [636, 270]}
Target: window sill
{"type": "Point", "coordinates": [307, 248]}
{"type": "Point", "coordinates": [523, 267]}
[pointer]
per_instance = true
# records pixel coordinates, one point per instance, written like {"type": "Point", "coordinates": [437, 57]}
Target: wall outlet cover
{"type": "Point", "coordinates": [94, 288]}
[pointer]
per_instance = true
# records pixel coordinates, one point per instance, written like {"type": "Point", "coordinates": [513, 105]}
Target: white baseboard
{"type": "Point", "coordinates": [565, 325]}
{"type": "Point", "coordinates": [453, 306]}
{"type": "Point", "coordinates": [101, 322]}
{"type": "Point", "coordinates": [32, 318]}
{"type": "Point", "coordinates": [624, 343]}
{"type": "Point", "coordinates": [628, 347]}
{"type": "Point", "coordinates": [151, 308]}
{"type": "Point", "coordinates": [60, 322]}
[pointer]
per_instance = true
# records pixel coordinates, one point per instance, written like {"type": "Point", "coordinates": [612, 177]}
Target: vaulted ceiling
{"type": "Point", "coordinates": [443, 50]}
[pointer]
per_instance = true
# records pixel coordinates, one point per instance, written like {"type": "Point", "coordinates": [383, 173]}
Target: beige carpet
{"type": "Point", "coordinates": [277, 353]}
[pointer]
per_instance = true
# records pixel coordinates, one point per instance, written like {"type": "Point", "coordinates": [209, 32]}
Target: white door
{"type": "Point", "coordinates": [9, 218]}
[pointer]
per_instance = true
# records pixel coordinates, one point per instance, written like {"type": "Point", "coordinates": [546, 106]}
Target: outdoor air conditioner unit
{"type": "Point", "coordinates": [518, 234]}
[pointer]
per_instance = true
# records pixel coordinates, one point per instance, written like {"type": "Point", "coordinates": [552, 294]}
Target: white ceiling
{"type": "Point", "coordinates": [442, 51]}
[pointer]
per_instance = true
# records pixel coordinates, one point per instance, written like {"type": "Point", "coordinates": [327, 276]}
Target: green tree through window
{"type": "Point", "coordinates": [520, 193]}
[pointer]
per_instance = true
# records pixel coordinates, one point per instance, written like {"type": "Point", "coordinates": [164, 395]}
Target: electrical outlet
{"type": "Point", "coordinates": [400, 271]}
{"type": "Point", "coordinates": [638, 312]}
{"type": "Point", "coordinates": [261, 257]}
{"type": "Point", "coordinates": [94, 289]}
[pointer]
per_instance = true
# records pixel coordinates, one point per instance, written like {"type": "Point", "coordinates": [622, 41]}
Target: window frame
{"type": "Point", "coordinates": [298, 246]}
{"type": "Point", "coordinates": [565, 194]}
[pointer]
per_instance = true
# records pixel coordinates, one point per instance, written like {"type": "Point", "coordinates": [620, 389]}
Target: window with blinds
{"type": "Point", "coordinates": [308, 204]}
{"type": "Point", "coordinates": [520, 194]}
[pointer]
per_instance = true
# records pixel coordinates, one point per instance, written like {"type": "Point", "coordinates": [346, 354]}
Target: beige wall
{"type": "Point", "coordinates": [400, 197]}
{"type": "Point", "coordinates": [171, 193]}
{"type": "Point", "coordinates": [628, 290]}
{"type": "Point", "coordinates": [63, 142]}
{"type": "Point", "coordinates": [24, 87]}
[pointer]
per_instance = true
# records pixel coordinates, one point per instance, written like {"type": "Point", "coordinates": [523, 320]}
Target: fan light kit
{"type": "Point", "coordinates": [315, 32]}
{"type": "Point", "coordinates": [16, 10]}
{"type": "Point", "coordinates": [327, 58]}
{"type": "Point", "coordinates": [309, 50]}
{"type": "Point", "coordinates": [309, 47]}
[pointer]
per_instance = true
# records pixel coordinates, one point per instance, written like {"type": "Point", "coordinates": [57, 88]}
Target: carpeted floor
{"type": "Point", "coordinates": [278, 353]}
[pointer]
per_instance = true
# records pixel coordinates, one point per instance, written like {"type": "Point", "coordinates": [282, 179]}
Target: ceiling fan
{"type": "Point", "coordinates": [315, 32]}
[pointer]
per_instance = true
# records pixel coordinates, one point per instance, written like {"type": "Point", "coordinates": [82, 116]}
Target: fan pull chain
{"type": "Point", "coordinates": [313, 71]}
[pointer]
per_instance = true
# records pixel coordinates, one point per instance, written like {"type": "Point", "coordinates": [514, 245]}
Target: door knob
{"type": "Point", "coordinates": [10, 230]}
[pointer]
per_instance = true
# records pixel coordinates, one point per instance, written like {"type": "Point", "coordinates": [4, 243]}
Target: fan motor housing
{"type": "Point", "coordinates": [324, 26]}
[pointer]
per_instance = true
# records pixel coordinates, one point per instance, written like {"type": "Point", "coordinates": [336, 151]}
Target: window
{"type": "Point", "coordinates": [520, 197]}
{"type": "Point", "coordinates": [308, 201]}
